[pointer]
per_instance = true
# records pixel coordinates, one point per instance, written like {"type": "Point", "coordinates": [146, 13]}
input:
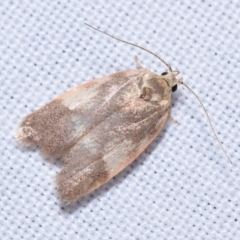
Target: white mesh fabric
{"type": "Point", "coordinates": [184, 187]}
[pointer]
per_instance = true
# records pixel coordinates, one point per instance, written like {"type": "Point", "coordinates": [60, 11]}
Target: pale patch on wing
{"type": "Point", "coordinates": [119, 155]}
{"type": "Point", "coordinates": [83, 95]}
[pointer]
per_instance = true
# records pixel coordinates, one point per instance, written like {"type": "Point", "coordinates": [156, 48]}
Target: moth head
{"type": "Point", "coordinates": [170, 78]}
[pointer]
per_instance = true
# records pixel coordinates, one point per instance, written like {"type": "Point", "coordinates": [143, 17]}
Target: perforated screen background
{"type": "Point", "coordinates": [183, 187]}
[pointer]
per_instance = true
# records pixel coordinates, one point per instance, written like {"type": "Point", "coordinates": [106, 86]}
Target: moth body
{"type": "Point", "coordinates": [100, 127]}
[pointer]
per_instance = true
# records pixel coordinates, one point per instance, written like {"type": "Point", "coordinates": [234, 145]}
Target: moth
{"type": "Point", "coordinates": [101, 126]}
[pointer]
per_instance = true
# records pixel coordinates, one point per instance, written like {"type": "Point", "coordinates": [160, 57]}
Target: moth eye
{"type": "Point", "coordinates": [174, 88]}
{"type": "Point", "coordinates": [164, 73]}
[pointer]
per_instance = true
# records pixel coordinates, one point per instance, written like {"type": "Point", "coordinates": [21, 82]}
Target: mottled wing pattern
{"type": "Point", "coordinates": [99, 127]}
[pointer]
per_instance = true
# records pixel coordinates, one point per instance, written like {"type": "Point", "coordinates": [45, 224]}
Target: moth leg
{"type": "Point", "coordinates": [139, 66]}
{"type": "Point", "coordinates": [172, 119]}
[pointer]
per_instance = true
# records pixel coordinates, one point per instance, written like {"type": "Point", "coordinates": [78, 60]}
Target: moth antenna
{"type": "Point", "coordinates": [133, 44]}
{"type": "Point", "coordinates": [209, 120]}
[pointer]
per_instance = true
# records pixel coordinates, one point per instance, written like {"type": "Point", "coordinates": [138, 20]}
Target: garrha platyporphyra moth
{"type": "Point", "coordinates": [101, 126]}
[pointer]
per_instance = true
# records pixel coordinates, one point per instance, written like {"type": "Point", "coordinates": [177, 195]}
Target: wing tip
{"type": "Point", "coordinates": [27, 136]}
{"type": "Point", "coordinates": [65, 191]}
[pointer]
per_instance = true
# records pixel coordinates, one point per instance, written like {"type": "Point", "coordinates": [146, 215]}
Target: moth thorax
{"type": "Point", "coordinates": [171, 79]}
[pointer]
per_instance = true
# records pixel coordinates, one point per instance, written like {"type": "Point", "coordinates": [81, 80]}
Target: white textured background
{"type": "Point", "coordinates": [183, 188]}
